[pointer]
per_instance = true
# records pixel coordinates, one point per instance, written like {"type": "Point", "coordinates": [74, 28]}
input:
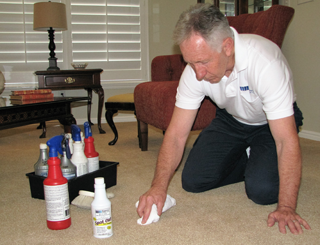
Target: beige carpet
{"type": "Point", "coordinates": [221, 216]}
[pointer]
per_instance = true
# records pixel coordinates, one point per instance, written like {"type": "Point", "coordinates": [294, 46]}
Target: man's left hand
{"type": "Point", "coordinates": [286, 216]}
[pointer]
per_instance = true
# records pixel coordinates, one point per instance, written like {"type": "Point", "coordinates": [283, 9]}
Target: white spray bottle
{"type": "Point", "coordinates": [78, 158]}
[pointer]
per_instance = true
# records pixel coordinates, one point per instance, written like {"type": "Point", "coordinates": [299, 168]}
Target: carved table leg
{"type": "Point", "coordinates": [100, 93]}
{"type": "Point", "coordinates": [44, 130]}
{"type": "Point", "coordinates": [89, 105]}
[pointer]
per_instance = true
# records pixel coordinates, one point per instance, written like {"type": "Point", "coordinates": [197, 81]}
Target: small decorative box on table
{"type": "Point", "coordinates": [108, 170]}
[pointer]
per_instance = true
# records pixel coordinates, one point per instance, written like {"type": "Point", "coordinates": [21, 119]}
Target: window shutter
{"type": "Point", "coordinates": [124, 36]}
{"type": "Point", "coordinates": [107, 34]}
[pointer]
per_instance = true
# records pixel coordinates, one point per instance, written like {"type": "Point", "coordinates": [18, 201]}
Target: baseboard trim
{"type": "Point", "coordinates": [118, 118]}
{"type": "Point", "coordinates": [311, 135]}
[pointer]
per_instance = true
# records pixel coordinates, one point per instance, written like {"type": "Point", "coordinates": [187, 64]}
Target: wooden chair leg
{"type": "Point", "coordinates": [143, 135]}
{"type": "Point", "coordinates": [109, 118]}
{"type": "Point", "coordinates": [138, 129]}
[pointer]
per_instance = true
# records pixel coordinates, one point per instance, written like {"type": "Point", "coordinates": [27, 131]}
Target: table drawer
{"type": "Point", "coordinates": [69, 80]}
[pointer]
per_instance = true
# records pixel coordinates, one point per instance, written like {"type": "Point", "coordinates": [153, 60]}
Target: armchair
{"type": "Point", "coordinates": [155, 100]}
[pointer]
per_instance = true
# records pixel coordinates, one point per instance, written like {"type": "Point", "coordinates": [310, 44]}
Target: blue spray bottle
{"type": "Point", "coordinates": [78, 158]}
{"type": "Point", "coordinates": [69, 171]}
{"type": "Point", "coordinates": [56, 189]}
{"type": "Point", "coordinates": [89, 150]}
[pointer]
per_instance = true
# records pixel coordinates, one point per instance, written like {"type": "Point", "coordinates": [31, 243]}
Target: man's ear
{"type": "Point", "coordinates": [228, 46]}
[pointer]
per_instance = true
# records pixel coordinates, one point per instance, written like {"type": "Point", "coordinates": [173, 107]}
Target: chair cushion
{"type": "Point", "coordinates": [122, 98]}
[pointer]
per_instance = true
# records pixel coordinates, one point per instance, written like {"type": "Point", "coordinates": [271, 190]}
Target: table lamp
{"type": "Point", "coordinates": [50, 16]}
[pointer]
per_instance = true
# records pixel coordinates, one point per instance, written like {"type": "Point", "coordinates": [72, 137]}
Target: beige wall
{"type": "Point", "coordinates": [302, 49]}
{"type": "Point", "coordinates": [163, 15]}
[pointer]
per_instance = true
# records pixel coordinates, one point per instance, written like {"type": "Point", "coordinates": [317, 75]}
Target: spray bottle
{"type": "Point", "coordinates": [78, 158]}
{"type": "Point", "coordinates": [69, 170]}
{"type": "Point", "coordinates": [41, 166]}
{"type": "Point", "coordinates": [101, 211]}
{"type": "Point", "coordinates": [89, 150]}
{"type": "Point", "coordinates": [56, 189]}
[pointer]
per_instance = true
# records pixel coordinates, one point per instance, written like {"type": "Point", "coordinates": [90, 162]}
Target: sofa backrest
{"type": "Point", "coordinates": [271, 24]}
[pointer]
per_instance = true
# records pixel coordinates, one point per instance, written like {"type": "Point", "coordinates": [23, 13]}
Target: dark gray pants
{"type": "Point", "coordinates": [219, 158]}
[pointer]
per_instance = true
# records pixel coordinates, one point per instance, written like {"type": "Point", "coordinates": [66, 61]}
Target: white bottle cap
{"type": "Point", "coordinates": [43, 146]}
{"type": "Point", "coordinates": [99, 181]}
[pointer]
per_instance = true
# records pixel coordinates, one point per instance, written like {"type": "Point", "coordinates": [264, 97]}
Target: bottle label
{"type": "Point", "coordinates": [57, 202]}
{"type": "Point", "coordinates": [102, 222]}
{"type": "Point", "coordinates": [81, 169]}
{"type": "Point", "coordinates": [93, 164]}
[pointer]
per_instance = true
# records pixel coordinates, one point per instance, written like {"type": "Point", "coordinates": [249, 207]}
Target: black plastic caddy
{"type": "Point", "coordinates": [108, 170]}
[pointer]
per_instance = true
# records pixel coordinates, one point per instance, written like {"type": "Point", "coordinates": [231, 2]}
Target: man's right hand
{"type": "Point", "coordinates": [152, 196]}
{"type": "Point", "coordinates": [168, 160]}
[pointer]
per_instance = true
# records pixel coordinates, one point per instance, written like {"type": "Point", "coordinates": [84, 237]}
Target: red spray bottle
{"type": "Point", "coordinates": [56, 189]}
{"type": "Point", "coordinates": [89, 150]}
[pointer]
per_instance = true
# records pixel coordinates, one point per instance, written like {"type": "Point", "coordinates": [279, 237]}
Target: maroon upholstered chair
{"type": "Point", "coordinates": [154, 101]}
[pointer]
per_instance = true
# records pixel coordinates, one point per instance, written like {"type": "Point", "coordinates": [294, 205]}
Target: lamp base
{"type": "Point", "coordinates": [53, 64]}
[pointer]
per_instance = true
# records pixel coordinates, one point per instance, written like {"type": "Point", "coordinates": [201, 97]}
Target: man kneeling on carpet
{"type": "Point", "coordinates": [250, 81]}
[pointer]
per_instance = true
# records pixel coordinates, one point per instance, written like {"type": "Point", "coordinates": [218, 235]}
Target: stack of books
{"type": "Point", "coordinates": [22, 97]}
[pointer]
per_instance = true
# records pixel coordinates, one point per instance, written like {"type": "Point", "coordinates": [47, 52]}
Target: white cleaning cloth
{"type": "Point", "coordinates": [154, 217]}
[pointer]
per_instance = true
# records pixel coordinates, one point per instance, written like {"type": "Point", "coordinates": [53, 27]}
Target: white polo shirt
{"type": "Point", "coordinates": [260, 86]}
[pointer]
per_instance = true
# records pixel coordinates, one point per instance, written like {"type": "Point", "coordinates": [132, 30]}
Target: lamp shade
{"type": "Point", "coordinates": [49, 14]}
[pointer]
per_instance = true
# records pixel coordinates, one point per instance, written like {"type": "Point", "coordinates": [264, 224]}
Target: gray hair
{"type": "Point", "coordinates": [206, 20]}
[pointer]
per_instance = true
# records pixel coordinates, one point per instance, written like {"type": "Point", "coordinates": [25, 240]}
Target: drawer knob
{"type": "Point", "coordinates": [69, 80]}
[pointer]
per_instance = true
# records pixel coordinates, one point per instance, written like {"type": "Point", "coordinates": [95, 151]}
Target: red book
{"type": "Point", "coordinates": [35, 91]}
{"type": "Point", "coordinates": [23, 102]}
{"type": "Point", "coordinates": [31, 96]}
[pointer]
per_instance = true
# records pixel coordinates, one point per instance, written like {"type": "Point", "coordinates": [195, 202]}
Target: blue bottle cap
{"type": "Point", "coordinates": [55, 145]}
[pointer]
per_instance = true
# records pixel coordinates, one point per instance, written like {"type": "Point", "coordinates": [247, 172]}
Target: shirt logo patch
{"type": "Point", "coordinates": [245, 88]}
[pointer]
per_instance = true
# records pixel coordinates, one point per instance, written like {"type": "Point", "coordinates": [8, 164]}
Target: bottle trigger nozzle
{"type": "Point", "coordinates": [87, 130]}
{"type": "Point", "coordinates": [75, 133]}
{"type": "Point", "coordinates": [55, 145]}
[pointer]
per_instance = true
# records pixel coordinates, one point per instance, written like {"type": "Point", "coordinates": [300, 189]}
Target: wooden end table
{"type": "Point", "coordinates": [88, 79]}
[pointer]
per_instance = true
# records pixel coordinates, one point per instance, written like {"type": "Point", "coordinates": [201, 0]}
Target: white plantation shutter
{"type": "Point", "coordinates": [22, 48]}
{"type": "Point", "coordinates": [108, 34]}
